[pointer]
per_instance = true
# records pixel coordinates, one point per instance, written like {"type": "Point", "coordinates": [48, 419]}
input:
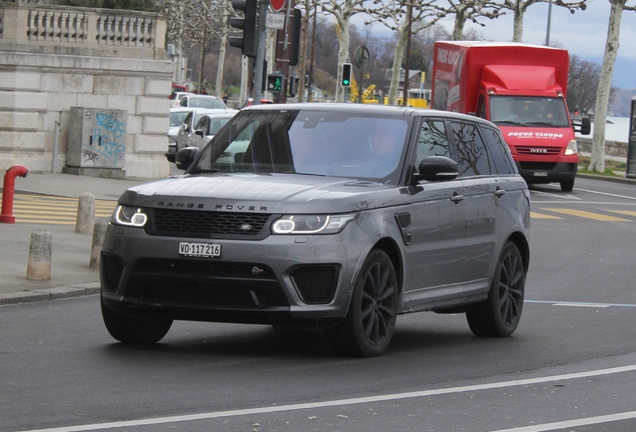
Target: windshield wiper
{"type": "Point", "coordinates": [205, 171]}
{"type": "Point", "coordinates": [514, 122]}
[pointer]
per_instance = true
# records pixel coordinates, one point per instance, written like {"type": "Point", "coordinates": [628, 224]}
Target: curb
{"type": "Point", "coordinates": [54, 293]}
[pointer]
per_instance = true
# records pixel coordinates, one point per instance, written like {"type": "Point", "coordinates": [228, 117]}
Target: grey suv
{"type": "Point", "coordinates": [336, 216]}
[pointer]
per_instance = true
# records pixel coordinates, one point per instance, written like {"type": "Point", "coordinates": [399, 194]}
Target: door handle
{"type": "Point", "coordinates": [499, 192]}
{"type": "Point", "coordinates": [456, 197]}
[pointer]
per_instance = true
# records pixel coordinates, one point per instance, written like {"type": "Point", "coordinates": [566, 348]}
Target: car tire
{"type": "Point", "coordinates": [368, 327]}
{"type": "Point", "coordinates": [499, 315]}
{"type": "Point", "coordinates": [133, 331]}
{"type": "Point", "coordinates": [567, 186]}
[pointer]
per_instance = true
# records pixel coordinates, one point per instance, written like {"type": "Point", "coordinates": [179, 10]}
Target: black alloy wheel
{"type": "Point", "coordinates": [368, 328]}
{"type": "Point", "coordinates": [499, 315]}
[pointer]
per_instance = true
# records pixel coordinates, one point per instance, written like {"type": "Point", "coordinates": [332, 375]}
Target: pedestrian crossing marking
{"type": "Point", "coordinates": [54, 210]}
{"type": "Point", "coordinates": [588, 215]}
{"type": "Point", "coordinates": [535, 215]}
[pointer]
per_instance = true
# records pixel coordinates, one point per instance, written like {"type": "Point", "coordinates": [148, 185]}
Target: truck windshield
{"type": "Point", "coordinates": [528, 111]}
{"type": "Point", "coordinates": [309, 142]}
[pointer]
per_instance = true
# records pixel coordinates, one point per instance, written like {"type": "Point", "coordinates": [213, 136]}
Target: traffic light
{"type": "Point", "coordinates": [293, 85]}
{"type": "Point", "coordinates": [295, 37]}
{"type": "Point", "coordinates": [275, 83]}
{"type": "Point", "coordinates": [247, 41]}
{"type": "Point", "coordinates": [346, 75]}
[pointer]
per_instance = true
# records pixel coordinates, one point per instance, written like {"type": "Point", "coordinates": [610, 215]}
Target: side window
{"type": "Point", "coordinates": [498, 150]}
{"type": "Point", "coordinates": [188, 121]}
{"type": "Point", "coordinates": [203, 124]}
{"type": "Point", "coordinates": [432, 140]}
{"type": "Point", "coordinates": [472, 157]}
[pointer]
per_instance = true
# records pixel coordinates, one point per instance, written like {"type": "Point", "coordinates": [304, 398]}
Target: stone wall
{"type": "Point", "coordinates": [53, 58]}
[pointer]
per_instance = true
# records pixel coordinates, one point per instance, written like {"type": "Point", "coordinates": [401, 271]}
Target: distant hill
{"type": "Point", "coordinates": [621, 105]}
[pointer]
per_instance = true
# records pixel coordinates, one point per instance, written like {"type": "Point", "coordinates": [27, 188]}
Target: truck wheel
{"type": "Point", "coordinates": [133, 331]}
{"type": "Point", "coordinates": [567, 186]}
{"type": "Point", "coordinates": [370, 322]}
{"type": "Point", "coordinates": [499, 315]}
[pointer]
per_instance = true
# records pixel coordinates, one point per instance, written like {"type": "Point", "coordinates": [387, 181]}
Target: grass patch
{"type": "Point", "coordinates": [610, 166]}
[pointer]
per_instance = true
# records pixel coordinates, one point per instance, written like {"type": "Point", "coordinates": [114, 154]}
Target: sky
{"type": "Point", "coordinates": [583, 33]}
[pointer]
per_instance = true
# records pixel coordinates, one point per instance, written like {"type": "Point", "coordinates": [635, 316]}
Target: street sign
{"type": "Point", "coordinates": [277, 5]}
{"type": "Point", "coordinates": [361, 57]}
{"type": "Point", "coordinates": [275, 21]}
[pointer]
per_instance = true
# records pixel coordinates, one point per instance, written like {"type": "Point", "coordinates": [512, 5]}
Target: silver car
{"type": "Point", "coordinates": [330, 216]}
{"type": "Point", "coordinates": [185, 134]}
{"type": "Point", "coordinates": [208, 126]}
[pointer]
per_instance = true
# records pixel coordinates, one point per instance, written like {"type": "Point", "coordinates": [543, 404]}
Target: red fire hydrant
{"type": "Point", "coordinates": [8, 190]}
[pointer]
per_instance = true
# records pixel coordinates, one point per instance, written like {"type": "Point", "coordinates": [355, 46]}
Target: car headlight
{"type": "Point", "coordinates": [130, 216]}
{"type": "Point", "coordinates": [312, 224]}
{"type": "Point", "coordinates": [572, 148]}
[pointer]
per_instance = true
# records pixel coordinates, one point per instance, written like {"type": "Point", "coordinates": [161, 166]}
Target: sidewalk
{"type": "Point", "coordinates": [71, 274]}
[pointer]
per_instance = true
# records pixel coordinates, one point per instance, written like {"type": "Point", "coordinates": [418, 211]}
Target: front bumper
{"type": "Point", "coordinates": [547, 172]}
{"type": "Point", "coordinates": [274, 280]}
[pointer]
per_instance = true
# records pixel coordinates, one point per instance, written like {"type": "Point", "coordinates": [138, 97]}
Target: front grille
{"type": "Point", "coordinates": [201, 283]}
{"type": "Point", "coordinates": [207, 224]}
{"type": "Point", "coordinates": [537, 166]}
{"type": "Point", "coordinates": [111, 270]}
{"type": "Point", "coordinates": [535, 151]}
{"type": "Point", "coordinates": [315, 284]}
{"type": "Point", "coordinates": [203, 267]}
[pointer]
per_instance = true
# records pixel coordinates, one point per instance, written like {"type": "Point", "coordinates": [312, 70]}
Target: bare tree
{"type": "Point", "coordinates": [470, 10]}
{"type": "Point", "coordinates": [342, 11]}
{"type": "Point", "coordinates": [405, 18]}
{"type": "Point", "coordinates": [196, 22]}
{"type": "Point", "coordinates": [597, 161]}
{"type": "Point", "coordinates": [582, 84]}
{"type": "Point", "coordinates": [519, 7]}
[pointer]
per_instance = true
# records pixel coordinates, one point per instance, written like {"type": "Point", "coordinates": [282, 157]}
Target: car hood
{"type": "Point", "coordinates": [269, 193]}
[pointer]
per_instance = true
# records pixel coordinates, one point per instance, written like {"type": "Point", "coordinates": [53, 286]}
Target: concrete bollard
{"type": "Point", "coordinates": [40, 250]}
{"type": "Point", "coordinates": [85, 213]}
{"type": "Point", "coordinates": [99, 234]}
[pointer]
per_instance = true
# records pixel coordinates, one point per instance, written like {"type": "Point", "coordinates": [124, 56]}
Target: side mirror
{"type": "Point", "coordinates": [184, 157]}
{"type": "Point", "coordinates": [584, 127]}
{"type": "Point", "coordinates": [199, 132]}
{"type": "Point", "coordinates": [437, 168]}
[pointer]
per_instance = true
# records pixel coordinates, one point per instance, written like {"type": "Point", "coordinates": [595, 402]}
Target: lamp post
{"type": "Point", "coordinates": [547, 32]}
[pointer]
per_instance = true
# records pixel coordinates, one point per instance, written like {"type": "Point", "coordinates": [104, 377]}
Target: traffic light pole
{"type": "Point", "coordinates": [257, 83]}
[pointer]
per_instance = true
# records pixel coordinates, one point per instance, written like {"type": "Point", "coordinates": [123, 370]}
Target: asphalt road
{"type": "Point", "coordinates": [571, 365]}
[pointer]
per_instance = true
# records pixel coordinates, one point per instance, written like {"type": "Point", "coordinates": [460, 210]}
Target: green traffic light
{"type": "Point", "coordinates": [345, 82]}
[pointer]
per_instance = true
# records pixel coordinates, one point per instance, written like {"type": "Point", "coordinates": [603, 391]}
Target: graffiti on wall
{"type": "Point", "coordinates": [106, 144]}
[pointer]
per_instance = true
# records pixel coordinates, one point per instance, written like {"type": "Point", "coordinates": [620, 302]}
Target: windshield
{"type": "Point", "coordinates": [308, 142]}
{"type": "Point", "coordinates": [528, 111]}
{"type": "Point", "coordinates": [177, 118]}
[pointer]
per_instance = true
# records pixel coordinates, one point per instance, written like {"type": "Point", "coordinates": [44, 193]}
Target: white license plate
{"type": "Point", "coordinates": [207, 250]}
{"type": "Point", "coordinates": [540, 174]}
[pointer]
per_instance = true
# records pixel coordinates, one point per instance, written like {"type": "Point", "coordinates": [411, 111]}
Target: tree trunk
{"type": "Point", "coordinates": [517, 32]}
{"type": "Point", "coordinates": [460, 22]}
{"type": "Point", "coordinates": [397, 65]}
{"type": "Point", "coordinates": [219, 90]}
{"type": "Point", "coordinates": [597, 161]}
{"type": "Point", "coordinates": [343, 53]}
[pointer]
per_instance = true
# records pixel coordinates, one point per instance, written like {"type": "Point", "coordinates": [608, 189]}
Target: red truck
{"type": "Point", "coordinates": [522, 89]}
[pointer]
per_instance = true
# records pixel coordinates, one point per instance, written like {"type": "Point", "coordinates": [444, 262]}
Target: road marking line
{"type": "Point", "coordinates": [535, 215]}
{"type": "Point", "coordinates": [340, 402]}
{"type": "Point", "coordinates": [581, 304]}
{"type": "Point", "coordinates": [572, 423]}
{"type": "Point", "coordinates": [588, 215]}
{"type": "Point", "coordinates": [607, 194]}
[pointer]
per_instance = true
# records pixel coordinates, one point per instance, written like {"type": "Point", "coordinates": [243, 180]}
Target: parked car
{"type": "Point", "coordinates": [201, 101]}
{"type": "Point", "coordinates": [331, 216]}
{"type": "Point", "coordinates": [175, 98]}
{"type": "Point", "coordinates": [207, 126]}
{"type": "Point", "coordinates": [250, 101]}
{"type": "Point", "coordinates": [176, 118]}
{"type": "Point", "coordinates": [186, 130]}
